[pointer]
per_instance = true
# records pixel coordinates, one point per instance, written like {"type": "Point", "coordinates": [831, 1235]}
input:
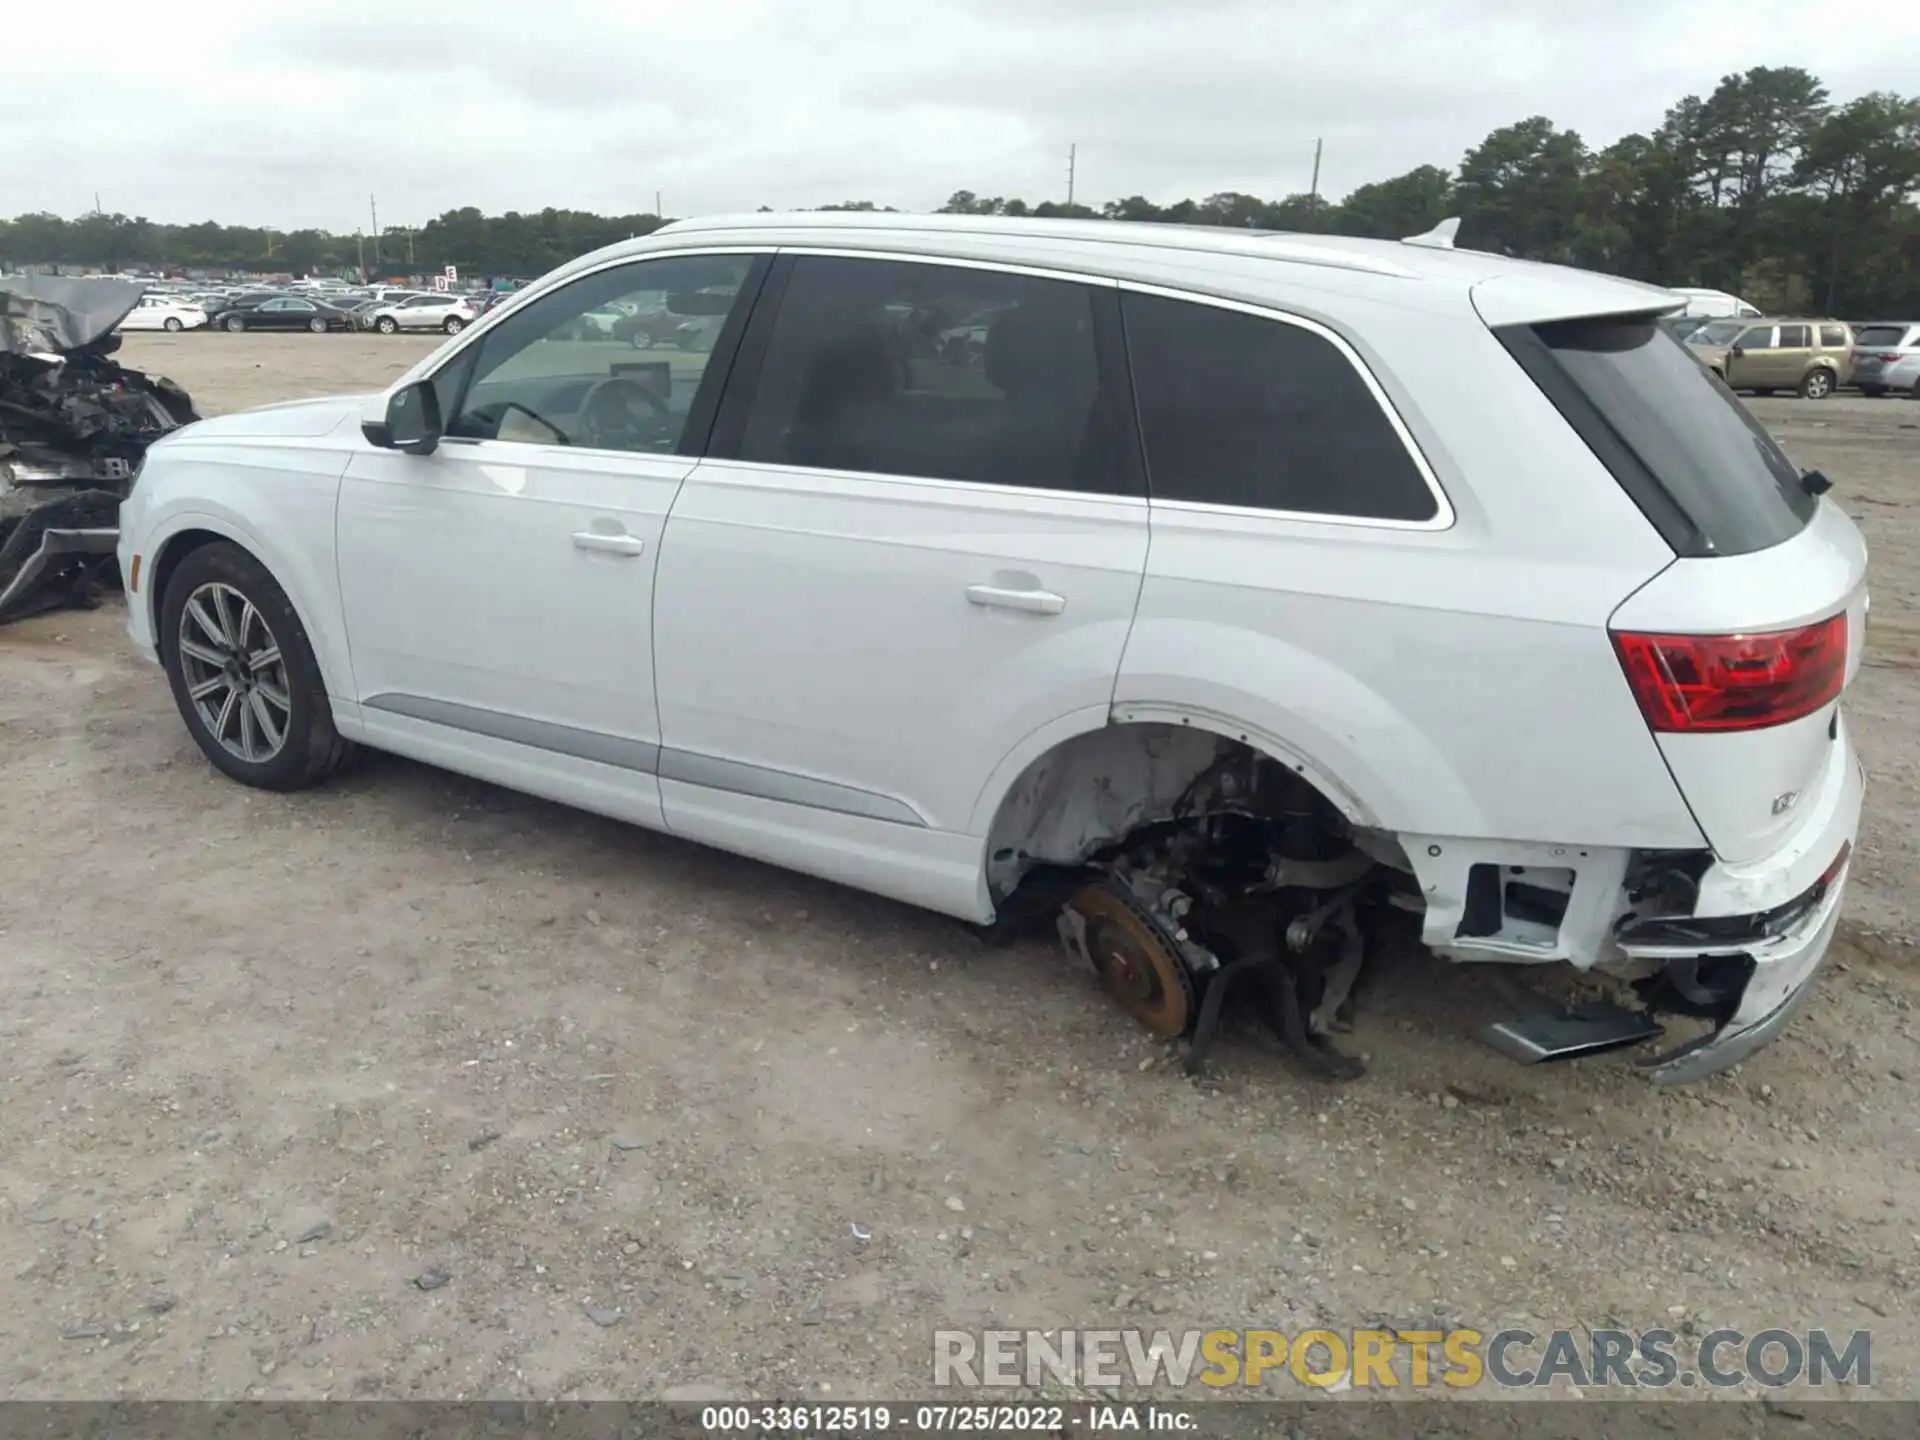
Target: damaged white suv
{"type": "Point", "coordinates": [1204, 593]}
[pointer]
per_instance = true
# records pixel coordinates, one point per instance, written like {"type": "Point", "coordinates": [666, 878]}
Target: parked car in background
{"type": "Point", "coordinates": [1682, 326]}
{"type": "Point", "coordinates": [1713, 304]}
{"type": "Point", "coordinates": [164, 312]}
{"type": "Point", "coordinates": [451, 313]}
{"type": "Point", "coordinates": [286, 312]}
{"type": "Point", "coordinates": [1811, 357]}
{"type": "Point", "coordinates": [1886, 356]}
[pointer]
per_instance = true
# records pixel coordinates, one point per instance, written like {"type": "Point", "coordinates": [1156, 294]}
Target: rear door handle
{"type": "Point", "coordinates": [615, 544]}
{"type": "Point", "coordinates": [1033, 602]}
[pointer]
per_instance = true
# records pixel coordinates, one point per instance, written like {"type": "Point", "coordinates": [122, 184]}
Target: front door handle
{"type": "Point", "coordinates": [1033, 602]}
{"type": "Point", "coordinates": [611, 544]}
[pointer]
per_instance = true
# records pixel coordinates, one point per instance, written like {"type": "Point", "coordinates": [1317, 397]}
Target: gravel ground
{"type": "Point", "coordinates": [415, 1087]}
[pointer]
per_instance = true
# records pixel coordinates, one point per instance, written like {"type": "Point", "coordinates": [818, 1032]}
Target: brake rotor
{"type": "Point", "coordinates": [1136, 959]}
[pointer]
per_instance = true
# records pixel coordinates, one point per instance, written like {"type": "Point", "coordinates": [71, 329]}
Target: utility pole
{"type": "Point", "coordinates": [96, 202]}
{"type": "Point", "coordinates": [373, 213]}
{"type": "Point", "coordinates": [1073, 152]}
{"type": "Point", "coordinates": [1313, 191]}
{"type": "Point", "coordinates": [658, 213]}
{"type": "Point", "coordinates": [360, 242]}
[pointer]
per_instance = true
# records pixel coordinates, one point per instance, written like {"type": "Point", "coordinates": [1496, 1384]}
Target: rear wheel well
{"type": "Point", "coordinates": [1090, 792]}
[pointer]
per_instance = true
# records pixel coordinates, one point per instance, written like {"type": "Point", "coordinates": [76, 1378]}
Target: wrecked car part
{"type": "Point", "coordinates": [1571, 1031]}
{"type": "Point", "coordinates": [52, 556]}
{"type": "Point", "coordinates": [74, 426]}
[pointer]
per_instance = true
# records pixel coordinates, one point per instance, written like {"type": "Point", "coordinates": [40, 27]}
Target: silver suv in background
{"type": "Point", "coordinates": [1886, 356]}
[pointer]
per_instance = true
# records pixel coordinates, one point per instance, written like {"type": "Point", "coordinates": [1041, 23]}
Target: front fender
{"type": "Point", "coordinates": [290, 531]}
{"type": "Point", "coordinates": [1363, 753]}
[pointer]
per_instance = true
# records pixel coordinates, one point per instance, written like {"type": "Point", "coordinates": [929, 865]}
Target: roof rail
{"type": "Point", "coordinates": [1440, 237]}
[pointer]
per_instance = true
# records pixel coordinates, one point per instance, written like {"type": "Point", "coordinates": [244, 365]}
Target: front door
{"type": "Point", "coordinates": [1751, 361]}
{"type": "Point", "coordinates": [918, 540]}
{"type": "Point", "coordinates": [499, 592]}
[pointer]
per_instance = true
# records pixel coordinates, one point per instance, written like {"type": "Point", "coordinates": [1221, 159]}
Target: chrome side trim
{"type": "Point", "coordinates": [611, 750]}
{"type": "Point", "coordinates": [686, 766]}
{"type": "Point", "coordinates": [765, 784]}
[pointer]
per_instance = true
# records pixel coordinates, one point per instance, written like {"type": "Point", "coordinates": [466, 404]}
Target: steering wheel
{"type": "Point", "coordinates": [609, 418]}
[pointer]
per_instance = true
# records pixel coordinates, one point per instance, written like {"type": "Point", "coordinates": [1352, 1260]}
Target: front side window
{"type": "Point", "coordinates": [1760, 337]}
{"type": "Point", "coordinates": [544, 377]}
{"type": "Point", "coordinates": [1239, 409]}
{"type": "Point", "coordinates": [939, 372]}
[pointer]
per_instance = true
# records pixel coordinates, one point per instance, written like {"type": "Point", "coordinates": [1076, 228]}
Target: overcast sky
{"type": "Point", "coordinates": [202, 109]}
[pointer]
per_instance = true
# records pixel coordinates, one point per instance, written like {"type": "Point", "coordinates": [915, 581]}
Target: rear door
{"type": "Point", "coordinates": [902, 558]}
{"type": "Point", "coordinates": [1740, 651]}
{"type": "Point", "coordinates": [1794, 355]}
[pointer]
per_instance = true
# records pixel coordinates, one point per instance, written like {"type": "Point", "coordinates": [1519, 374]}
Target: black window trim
{"type": "Point", "coordinates": [706, 396]}
{"type": "Point", "coordinates": [1444, 516]}
{"type": "Point", "coordinates": [730, 425]}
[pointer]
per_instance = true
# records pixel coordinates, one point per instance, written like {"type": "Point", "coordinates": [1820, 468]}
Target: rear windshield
{"type": "Point", "coordinates": [1698, 465]}
{"type": "Point", "coordinates": [1870, 336]}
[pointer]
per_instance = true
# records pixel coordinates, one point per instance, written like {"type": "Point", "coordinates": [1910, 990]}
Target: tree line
{"type": "Point", "coordinates": [1767, 186]}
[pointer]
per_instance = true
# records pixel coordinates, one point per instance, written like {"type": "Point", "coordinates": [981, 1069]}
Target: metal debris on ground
{"type": "Point", "coordinates": [74, 426]}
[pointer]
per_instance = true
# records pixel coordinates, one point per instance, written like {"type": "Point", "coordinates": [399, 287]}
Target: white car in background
{"type": "Point", "coordinates": [165, 312]}
{"type": "Point", "coordinates": [449, 313]}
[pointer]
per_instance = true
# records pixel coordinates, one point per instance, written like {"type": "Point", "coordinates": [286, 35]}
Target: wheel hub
{"type": "Point", "coordinates": [1137, 962]}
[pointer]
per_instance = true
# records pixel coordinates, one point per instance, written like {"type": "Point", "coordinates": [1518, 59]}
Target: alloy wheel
{"type": "Point", "coordinates": [235, 675]}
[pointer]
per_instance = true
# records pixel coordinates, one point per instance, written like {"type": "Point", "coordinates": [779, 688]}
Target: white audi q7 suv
{"type": "Point", "coordinates": [1224, 593]}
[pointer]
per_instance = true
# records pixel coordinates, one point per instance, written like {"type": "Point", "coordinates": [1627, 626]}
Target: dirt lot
{"type": "Point", "coordinates": [267, 1060]}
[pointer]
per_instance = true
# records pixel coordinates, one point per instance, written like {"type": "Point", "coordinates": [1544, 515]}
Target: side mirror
{"type": "Point", "coordinates": [412, 423]}
{"type": "Point", "coordinates": [1737, 350]}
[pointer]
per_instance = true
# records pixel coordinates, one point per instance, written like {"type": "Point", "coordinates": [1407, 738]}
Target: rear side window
{"type": "Point", "coordinates": [1833, 337]}
{"type": "Point", "coordinates": [1698, 465]}
{"type": "Point", "coordinates": [1238, 409]}
{"type": "Point", "coordinates": [939, 372]}
{"type": "Point", "coordinates": [1874, 337]}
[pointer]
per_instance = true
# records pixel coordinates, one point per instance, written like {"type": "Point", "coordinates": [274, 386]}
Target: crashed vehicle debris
{"type": "Point", "coordinates": [73, 428]}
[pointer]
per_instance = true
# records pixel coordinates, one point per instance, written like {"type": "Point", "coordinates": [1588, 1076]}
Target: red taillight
{"type": "Point", "coordinates": [1689, 684]}
{"type": "Point", "coordinates": [1892, 358]}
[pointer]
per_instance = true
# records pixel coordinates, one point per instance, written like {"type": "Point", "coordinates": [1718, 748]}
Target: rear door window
{"type": "Point", "coordinates": [1795, 337]}
{"type": "Point", "coordinates": [938, 372]}
{"type": "Point", "coordinates": [1246, 410]}
{"type": "Point", "coordinates": [1698, 465]}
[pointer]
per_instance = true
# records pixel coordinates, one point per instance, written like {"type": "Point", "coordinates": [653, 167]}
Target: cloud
{"type": "Point", "coordinates": [228, 110]}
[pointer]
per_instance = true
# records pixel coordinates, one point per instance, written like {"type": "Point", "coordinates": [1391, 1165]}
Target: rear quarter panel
{"type": "Point", "coordinates": [1456, 682]}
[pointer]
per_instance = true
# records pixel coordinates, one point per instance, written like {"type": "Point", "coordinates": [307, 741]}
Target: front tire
{"type": "Point", "coordinates": [386, 325]}
{"type": "Point", "coordinates": [172, 322]}
{"type": "Point", "coordinates": [243, 673]}
{"type": "Point", "coordinates": [317, 325]}
{"type": "Point", "coordinates": [1817, 385]}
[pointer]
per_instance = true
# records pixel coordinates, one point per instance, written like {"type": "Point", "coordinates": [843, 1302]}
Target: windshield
{"type": "Point", "coordinates": [1717, 332]}
{"type": "Point", "coordinates": [1698, 465]}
